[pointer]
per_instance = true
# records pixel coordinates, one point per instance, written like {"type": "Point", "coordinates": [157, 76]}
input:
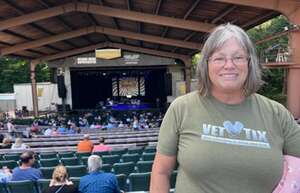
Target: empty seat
{"type": "Point", "coordinates": [131, 157]}
{"type": "Point", "coordinates": [43, 184]}
{"type": "Point", "coordinates": [52, 162]}
{"type": "Point", "coordinates": [106, 167]}
{"type": "Point", "coordinates": [70, 161]}
{"type": "Point", "coordinates": [144, 166]}
{"type": "Point", "coordinates": [134, 150]}
{"type": "Point", "coordinates": [139, 181]}
{"type": "Point", "coordinates": [66, 154]}
{"type": "Point", "coordinates": [118, 151]}
{"type": "Point", "coordinates": [84, 160]}
{"type": "Point", "coordinates": [15, 157]}
{"type": "Point", "coordinates": [150, 149]}
{"type": "Point", "coordinates": [47, 172]}
{"type": "Point", "coordinates": [122, 182]}
{"type": "Point", "coordinates": [25, 186]}
{"type": "Point", "coordinates": [47, 155]}
{"type": "Point", "coordinates": [83, 154]}
{"type": "Point", "coordinates": [11, 164]}
{"type": "Point", "coordinates": [76, 171]}
{"type": "Point", "coordinates": [3, 188]}
{"type": "Point", "coordinates": [124, 168]}
{"type": "Point", "coordinates": [110, 159]}
{"type": "Point", "coordinates": [148, 156]}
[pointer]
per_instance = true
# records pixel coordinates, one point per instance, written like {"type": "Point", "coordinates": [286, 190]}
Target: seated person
{"type": "Point", "coordinates": [101, 146]}
{"type": "Point", "coordinates": [60, 183]}
{"type": "Point", "coordinates": [26, 171]}
{"type": "Point", "coordinates": [6, 143]}
{"type": "Point", "coordinates": [98, 181]}
{"type": "Point", "coordinates": [19, 144]}
{"type": "Point", "coordinates": [86, 145]}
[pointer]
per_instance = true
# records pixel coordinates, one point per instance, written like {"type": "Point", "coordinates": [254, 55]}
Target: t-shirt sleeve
{"type": "Point", "coordinates": [291, 133]}
{"type": "Point", "coordinates": [168, 134]}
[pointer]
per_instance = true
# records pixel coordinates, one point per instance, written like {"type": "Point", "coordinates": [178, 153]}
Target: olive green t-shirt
{"type": "Point", "coordinates": [224, 148]}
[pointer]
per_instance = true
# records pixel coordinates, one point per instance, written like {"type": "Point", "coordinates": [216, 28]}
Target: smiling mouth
{"type": "Point", "coordinates": [229, 76]}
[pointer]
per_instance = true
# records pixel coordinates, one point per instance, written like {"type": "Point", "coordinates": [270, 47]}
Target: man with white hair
{"type": "Point", "coordinates": [98, 181]}
{"type": "Point", "coordinates": [86, 145]}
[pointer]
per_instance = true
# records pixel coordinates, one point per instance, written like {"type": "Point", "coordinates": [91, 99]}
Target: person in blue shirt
{"type": "Point", "coordinates": [26, 171]}
{"type": "Point", "coordinates": [98, 181]}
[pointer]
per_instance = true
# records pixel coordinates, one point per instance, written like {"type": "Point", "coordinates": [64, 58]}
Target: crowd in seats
{"type": "Point", "coordinates": [131, 167]}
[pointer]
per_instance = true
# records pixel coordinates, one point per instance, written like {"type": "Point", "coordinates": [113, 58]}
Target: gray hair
{"type": "Point", "coordinates": [94, 163]}
{"type": "Point", "coordinates": [215, 40]}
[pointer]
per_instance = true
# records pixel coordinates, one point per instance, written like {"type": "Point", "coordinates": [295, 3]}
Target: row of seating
{"type": "Point", "coordinates": [73, 161]}
{"type": "Point", "coordinates": [116, 151]}
{"type": "Point", "coordinates": [134, 182]}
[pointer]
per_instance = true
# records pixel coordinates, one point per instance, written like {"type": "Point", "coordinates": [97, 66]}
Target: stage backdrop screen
{"type": "Point", "coordinates": [128, 86]}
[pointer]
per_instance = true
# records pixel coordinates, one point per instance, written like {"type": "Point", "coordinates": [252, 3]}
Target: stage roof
{"type": "Point", "coordinates": [53, 29]}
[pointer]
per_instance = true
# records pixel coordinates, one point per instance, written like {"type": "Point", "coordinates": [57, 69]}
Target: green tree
{"type": "Point", "coordinates": [13, 71]}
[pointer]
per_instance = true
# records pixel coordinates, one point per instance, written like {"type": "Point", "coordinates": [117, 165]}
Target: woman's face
{"type": "Point", "coordinates": [228, 68]}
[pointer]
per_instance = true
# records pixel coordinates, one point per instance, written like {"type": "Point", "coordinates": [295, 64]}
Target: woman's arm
{"type": "Point", "coordinates": [162, 169]}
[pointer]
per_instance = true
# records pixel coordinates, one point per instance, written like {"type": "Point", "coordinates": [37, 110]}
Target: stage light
{"type": "Point", "coordinates": [104, 74]}
{"type": "Point", "coordinates": [108, 53]}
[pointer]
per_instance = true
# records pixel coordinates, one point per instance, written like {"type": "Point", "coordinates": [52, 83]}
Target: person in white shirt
{"type": "Point", "coordinates": [19, 144]}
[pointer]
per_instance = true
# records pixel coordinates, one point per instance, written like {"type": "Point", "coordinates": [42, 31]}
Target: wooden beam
{"type": "Point", "coordinates": [36, 16]}
{"type": "Point", "coordinates": [47, 40]}
{"type": "Point", "coordinates": [280, 65]}
{"type": "Point", "coordinates": [144, 17]}
{"type": "Point", "coordinates": [102, 30]}
{"type": "Point", "coordinates": [223, 13]}
{"type": "Point", "coordinates": [106, 11]}
{"type": "Point", "coordinates": [191, 9]}
{"type": "Point", "coordinates": [157, 8]}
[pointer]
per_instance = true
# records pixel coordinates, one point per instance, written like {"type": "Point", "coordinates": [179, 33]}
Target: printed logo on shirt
{"type": "Point", "coordinates": [235, 134]}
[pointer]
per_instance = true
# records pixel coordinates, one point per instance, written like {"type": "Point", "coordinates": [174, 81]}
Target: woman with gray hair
{"type": "Point", "coordinates": [98, 181]}
{"type": "Point", "coordinates": [225, 137]}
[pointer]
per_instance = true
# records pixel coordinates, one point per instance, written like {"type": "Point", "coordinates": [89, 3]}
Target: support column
{"type": "Point", "coordinates": [33, 89]}
{"type": "Point", "coordinates": [293, 79]}
{"type": "Point", "coordinates": [188, 74]}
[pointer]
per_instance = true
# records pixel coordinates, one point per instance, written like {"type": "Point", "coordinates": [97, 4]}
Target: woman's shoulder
{"type": "Point", "coordinates": [268, 104]}
{"type": "Point", "coordinates": [186, 99]}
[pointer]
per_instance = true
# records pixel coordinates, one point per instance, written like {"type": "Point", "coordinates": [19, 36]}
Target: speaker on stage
{"type": "Point", "coordinates": [168, 84]}
{"type": "Point", "coordinates": [62, 91]}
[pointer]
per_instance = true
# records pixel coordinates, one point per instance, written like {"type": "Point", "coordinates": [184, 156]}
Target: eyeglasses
{"type": "Point", "coordinates": [221, 60]}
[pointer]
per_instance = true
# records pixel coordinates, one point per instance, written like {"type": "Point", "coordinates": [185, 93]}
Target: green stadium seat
{"type": "Point", "coordinates": [150, 149]}
{"type": "Point", "coordinates": [111, 159]}
{"type": "Point", "coordinates": [75, 181]}
{"type": "Point", "coordinates": [83, 154]}
{"type": "Point", "coordinates": [106, 167]}
{"type": "Point", "coordinates": [70, 161]}
{"type": "Point", "coordinates": [15, 157]}
{"type": "Point", "coordinates": [3, 188]}
{"type": "Point", "coordinates": [11, 164]}
{"type": "Point", "coordinates": [84, 160]}
{"type": "Point", "coordinates": [148, 156]}
{"type": "Point", "coordinates": [76, 171]}
{"type": "Point", "coordinates": [124, 168]}
{"type": "Point", "coordinates": [52, 162]}
{"type": "Point", "coordinates": [25, 186]}
{"type": "Point", "coordinates": [66, 154]}
{"type": "Point", "coordinates": [118, 151]}
{"type": "Point", "coordinates": [101, 153]}
{"type": "Point", "coordinates": [144, 166]}
{"type": "Point", "coordinates": [131, 157]}
{"type": "Point", "coordinates": [47, 172]}
{"type": "Point", "coordinates": [47, 155]}
{"type": "Point", "coordinates": [139, 181]}
{"type": "Point", "coordinates": [43, 184]}
{"type": "Point", "coordinates": [122, 182]}
{"type": "Point", "coordinates": [135, 150]}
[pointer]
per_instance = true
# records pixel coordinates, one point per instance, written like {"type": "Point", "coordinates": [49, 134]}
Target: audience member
{"type": "Point", "coordinates": [98, 181]}
{"type": "Point", "coordinates": [60, 183]}
{"type": "Point", "coordinates": [26, 170]}
{"type": "Point", "coordinates": [11, 128]}
{"type": "Point", "coordinates": [19, 144]}
{"type": "Point", "coordinates": [86, 145]}
{"type": "Point", "coordinates": [101, 146]}
{"type": "Point", "coordinates": [6, 143]}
